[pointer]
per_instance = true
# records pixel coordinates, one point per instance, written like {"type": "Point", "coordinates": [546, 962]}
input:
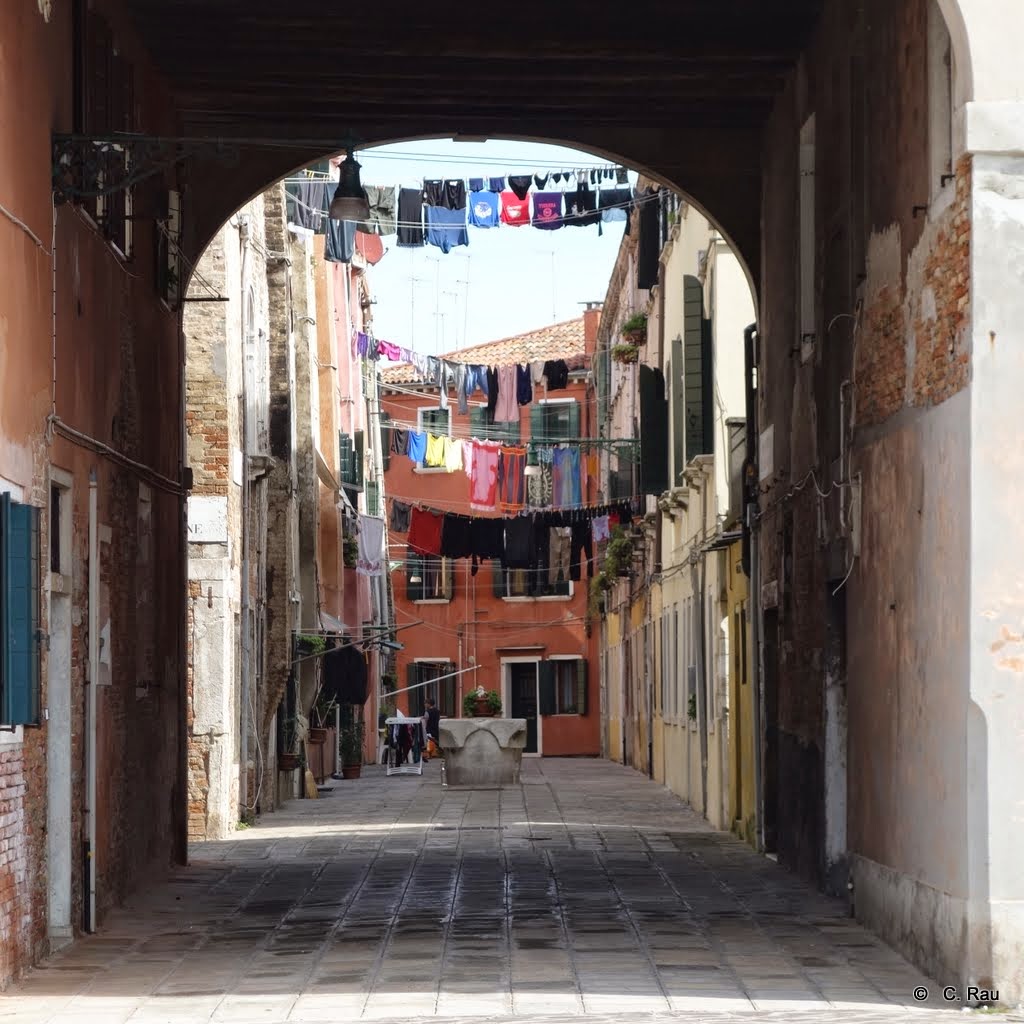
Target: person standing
{"type": "Point", "coordinates": [433, 717]}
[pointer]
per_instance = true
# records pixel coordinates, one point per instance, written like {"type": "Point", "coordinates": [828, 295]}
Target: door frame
{"type": "Point", "coordinates": [506, 694]}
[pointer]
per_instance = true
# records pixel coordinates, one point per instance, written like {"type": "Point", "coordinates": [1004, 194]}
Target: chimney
{"type": "Point", "coordinates": [591, 318]}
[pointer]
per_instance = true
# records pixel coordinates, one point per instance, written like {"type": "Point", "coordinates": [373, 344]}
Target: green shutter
{"type": "Point", "coordinates": [498, 578]}
{"type": "Point", "coordinates": [693, 368]}
{"type": "Point", "coordinates": [446, 705]}
{"type": "Point", "coordinates": [415, 696]}
{"type": "Point", "coordinates": [548, 705]}
{"type": "Point", "coordinates": [346, 457]}
{"type": "Point", "coordinates": [677, 393]}
{"type": "Point", "coordinates": [574, 420]}
{"type": "Point", "coordinates": [358, 459]}
{"type": "Point", "coordinates": [537, 427]}
{"type": "Point", "coordinates": [19, 539]}
{"type": "Point", "coordinates": [653, 432]}
{"type": "Point", "coordinates": [581, 686]}
{"type": "Point", "coordinates": [386, 433]}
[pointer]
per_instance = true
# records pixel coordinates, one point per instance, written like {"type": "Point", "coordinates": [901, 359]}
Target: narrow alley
{"type": "Point", "coordinates": [587, 890]}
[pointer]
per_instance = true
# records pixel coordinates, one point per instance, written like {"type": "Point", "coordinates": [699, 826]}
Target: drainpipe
{"type": "Point", "coordinates": [245, 682]}
{"type": "Point", "coordinates": [90, 706]}
{"type": "Point", "coordinates": [752, 565]}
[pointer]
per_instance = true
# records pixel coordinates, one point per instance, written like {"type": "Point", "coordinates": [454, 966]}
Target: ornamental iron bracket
{"type": "Point", "coordinates": [93, 166]}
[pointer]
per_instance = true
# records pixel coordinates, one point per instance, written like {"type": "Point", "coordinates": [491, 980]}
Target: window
{"type": "Point", "coordinates": [19, 613]}
{"type": "Point", "coordinates": [434, 421]}
{"type": "Point", "coordinates": [428, 578]}
{"type": "Point", "coordinates": [539, 582]}
{"type": "Point", "coordinates": [563, 686]}
{"type": "Point", "coordinates": [350, 459]}
{"type": "Point", "coordinates": [554, 420]}
{"type": "Point", "coordinates": [480, 428]}
{"type": "Point", "coordinates": [439, 689]}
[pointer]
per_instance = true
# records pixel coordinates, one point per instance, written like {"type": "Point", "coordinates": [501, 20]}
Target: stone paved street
{"type": "Point", "coordinates": [587, 890]}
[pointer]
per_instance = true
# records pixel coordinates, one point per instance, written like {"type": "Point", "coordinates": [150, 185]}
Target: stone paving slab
{"type": "Point", "coordinates": [585, 892]}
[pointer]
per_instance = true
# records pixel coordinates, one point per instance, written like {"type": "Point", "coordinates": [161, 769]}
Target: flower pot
{"type": "Point", "coordinates": [351, 771]}
{"type": "Point", "coordinates": [483, 709]}
{"type": "Point", "coordinates": [635, 337]}
{"type": "Point", "coordinates": [287, 762]}
{"type": "Point", "coordinates": [317, 735]}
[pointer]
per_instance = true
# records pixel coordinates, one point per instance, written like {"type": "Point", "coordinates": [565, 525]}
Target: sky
{"type": "Point", "coordinates": [507, 280]}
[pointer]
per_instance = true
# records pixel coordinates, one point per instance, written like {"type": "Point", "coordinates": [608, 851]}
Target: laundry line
{"type": "Point", "coordinates": [429, 682]}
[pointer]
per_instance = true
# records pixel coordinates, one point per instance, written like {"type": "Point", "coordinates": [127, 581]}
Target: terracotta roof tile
{"type": "Point", "coordinates": [557, 341]}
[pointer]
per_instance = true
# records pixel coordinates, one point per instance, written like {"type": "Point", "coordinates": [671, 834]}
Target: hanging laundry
{"type": "Point", "coordinates": [599, 529]}
{"type": "Point", "coordinates": [496, 184]}
{"type": "Point", "coordinates": [484, 210]}
{"type": "Point", "coordinates": [540, 486]}
{"type": "Point", "coordinates": [399, 441]}
{"type": "Point", "coordinates": [492, 393]}
{"type": "Point", "coordinates": [476, 184]}
{"type": "Point", "coordinates": [435, 451]}
{"type": "Point", "coordinates": [487, 538]}
{"type": "Point", "coordinates": [467, 456]}
{"type": "Point", "coordinates": [453, 454]}
{"type": "Point", "coordinates": [557, 373]}
{"type": "Point", "coordinates": [566, 475]}
{"type": "Point", "coordinates": [539, 181]}
{"type": "Point", "coordinates": [511, 478]}
{"type": "Point", "coordinates": [556, 177]}
{"type": "Point", "coordinates": [476, 377]}
{"type": "Point", "coordinates": [455, 536]}
{"type": "Point", "coordinates": [580, 545]}
{"type": "Point", "coordinates": [341, 240]}
{"type": "Point", "coordinates": [400, 513]}
{"type": "Point", "coordinates": [417, 450]}
{"type": "Point", "coordinates": [381, 199]}
{"type": "Point", "coordinates": [410, 217]}
{"type": "Point", "coordinates": [547, 210]}
{"type": "Point", "coordinates": [483, 484]}
{"type": "Point", "coordinates": [614, 204]}
{"type": "Point", "coordinates": [558, 554]}
{"type": "Point", "coordinates": [371, 546]}
{"type": "Point", "coordinates": [446, 228]}
{"type": "Point", "coordinates": [425, 531]}
{"type": "Point", "coordinates": [524, 386]}
{"type": "Point", "coordinates": [459, 384]}
{"type": "Point", "coordinates": [537, 372]}
{"type": "Point", "coordinates": [505, 410]}
{"type": "Point", "coordinates": [581, 207]}
{"type": "Point", "coordinates": [520, 185]}
{"type": "Point", "coordinates": [304, 204]}
{"type": "Point", "coordinates": [519, 542]}
{"type": "Point", "coordinates": [621, 176]}
{"type": "Point", "coordinates": [390, 352]}
{"type": "Point", "coordinates": [514, 211]}
{"type": "Point", "coordinates": [449, 194]}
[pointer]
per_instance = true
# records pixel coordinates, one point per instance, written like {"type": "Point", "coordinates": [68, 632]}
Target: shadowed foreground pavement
{"type": "Point", "coordinates": [588, 890]}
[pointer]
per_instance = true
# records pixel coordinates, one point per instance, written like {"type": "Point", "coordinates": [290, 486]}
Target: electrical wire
{"type": "Point", "coordinates": [24, 227]}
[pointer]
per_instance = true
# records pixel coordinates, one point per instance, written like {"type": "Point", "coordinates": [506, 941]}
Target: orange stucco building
{"type": "Point", "coordinates": [528, 639]}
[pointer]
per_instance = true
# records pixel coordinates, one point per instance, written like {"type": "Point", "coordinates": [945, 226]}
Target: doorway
{"type": "Point", "coordinates": [522, 701]}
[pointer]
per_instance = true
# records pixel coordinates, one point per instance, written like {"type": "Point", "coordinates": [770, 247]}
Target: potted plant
{"type": "Point", "coordinates": [627, 352]}
{"type": "Point", "coordinates": [634, 328]}
{"type": "Point", "coordinates": [350, 746]}
{"type": "Point", "coordinates": [481, 703]}
{"type": "Point", "coordinates": [619, 556]}
{"type": "Point", "coordinates": [287, 759]}
{"type": "Point", "coordinates": [350, 551]}
{"type": "Point", "coordinates": [309, 643]}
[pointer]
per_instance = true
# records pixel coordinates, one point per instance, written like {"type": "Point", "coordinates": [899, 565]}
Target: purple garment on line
{"type": "Point", "coordinates": [362, 343]}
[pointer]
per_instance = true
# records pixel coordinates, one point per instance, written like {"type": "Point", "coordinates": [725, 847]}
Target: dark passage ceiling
{"type": "Point", "coordinates": [679, 90]}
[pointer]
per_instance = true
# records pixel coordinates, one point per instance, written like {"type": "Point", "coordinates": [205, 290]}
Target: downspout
{"type": "Point", "coordinates": [90, 706]}
{"type": "Point", "coordinates": [700, 580]}
{"type": "Point", "coordinates": [752, 565]}
{"type": "Point", "coordinates": [245, 681]}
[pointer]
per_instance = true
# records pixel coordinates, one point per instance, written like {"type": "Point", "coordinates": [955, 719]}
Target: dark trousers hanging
{"type": "Point", "coordinates": [580, 543]}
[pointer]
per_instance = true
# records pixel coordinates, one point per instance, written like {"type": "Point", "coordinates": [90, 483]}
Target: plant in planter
{"type": "Point", "coordinates": [322, 715]}
{"type": "Point", "coordinates": [618, 558]}
{"type": "Point", "coordinates": [627, 352]}
{"type": "Point", "coordinates": [309, 643]}
{"type": "Point", "coordinates": [481, 703]}
{"type": "Point", "coordinates": [350, 746]}
{"type": "Point", "coordinates": [287, 759]}
{"type": "Point", "coordinates": [350, 551]}
{"type": "Point", "coordinates": [691, 708]}
{"type": "Point", "coordinates": [634, 328]}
